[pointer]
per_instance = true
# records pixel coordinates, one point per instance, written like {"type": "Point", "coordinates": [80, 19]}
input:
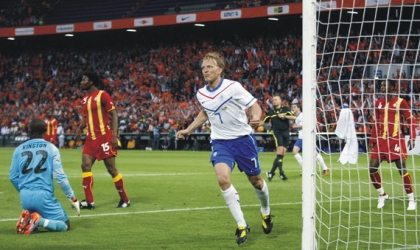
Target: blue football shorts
{"type": "Point", "coordinates": [299, 144]}
{"type": "Point", "coordinates": [242, 151]}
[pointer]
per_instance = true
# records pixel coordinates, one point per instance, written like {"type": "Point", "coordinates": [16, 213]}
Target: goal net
{"type": "Point", "coordinates": [358, 44]}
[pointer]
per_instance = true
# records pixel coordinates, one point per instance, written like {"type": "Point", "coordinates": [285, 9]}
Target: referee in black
{"type": "Point", "coordinates": [280, 115]}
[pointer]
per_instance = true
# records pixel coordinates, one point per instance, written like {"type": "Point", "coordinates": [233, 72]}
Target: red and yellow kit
{"type": "Point", "coordinates": [51, 133]}
{"type": "Point", "coordinates": [386, 133]}
{"type": "Point", "coordinates": [95, 109]}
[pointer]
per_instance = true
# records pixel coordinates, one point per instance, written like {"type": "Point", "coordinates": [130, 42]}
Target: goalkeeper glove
{"type": "Point", "coordinates": [76, 205]}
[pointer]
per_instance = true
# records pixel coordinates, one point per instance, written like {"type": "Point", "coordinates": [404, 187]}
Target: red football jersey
{"type": "Point", "coordinates": [388, 116]}
{"type": "Point", "coordinates": [52, 125]}
{"type": "Point", "coordinates": [95, 110]}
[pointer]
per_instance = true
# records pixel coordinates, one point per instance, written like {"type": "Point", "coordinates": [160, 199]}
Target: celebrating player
{"type": "Point", "coordinates": [224, 102]}
{"type": "Point", "coordinates": [387, 142]}
{"type": "Point", "coordinates": [34, 165]}
{"type": "Point", "coordinates": [101, 141]}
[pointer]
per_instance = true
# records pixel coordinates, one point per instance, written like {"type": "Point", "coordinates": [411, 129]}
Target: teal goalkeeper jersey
{"type": "Point", "coordinates": [34, 165]}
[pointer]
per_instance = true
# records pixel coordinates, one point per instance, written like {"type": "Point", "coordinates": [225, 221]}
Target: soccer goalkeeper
{"type": "Point", "coordinates": [34, 165]}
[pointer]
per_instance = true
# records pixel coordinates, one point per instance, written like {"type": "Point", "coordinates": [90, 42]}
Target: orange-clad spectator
{"type": "Point", "coordinates": [183, 105]}
{"type": "Point", "coordinates": [260, 53]}
{"type": "Point", "coordinates": [19, 86]}
{"type": "Point", "coordinates": [299, 81]}
{"type": "Point", "coordinates": [160, 67]}
{"type": "Point", "coordinates": [249, 54]}
{"type": "Point", "coordinates": [352, 46]}
{"type": "Point", "coordinates": [187, 85]}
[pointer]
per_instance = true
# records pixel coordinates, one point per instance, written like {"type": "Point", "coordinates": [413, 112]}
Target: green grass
{"type": "Point", "coordinates": [176, 204]}
{"type": "Point", "coordinates": [346, 211]}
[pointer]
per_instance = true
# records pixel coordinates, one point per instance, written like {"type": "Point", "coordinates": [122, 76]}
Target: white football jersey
{"type": "Point", "coordinates": [299, 121]}
{"type": "Point", "coordinates": [225, 106]}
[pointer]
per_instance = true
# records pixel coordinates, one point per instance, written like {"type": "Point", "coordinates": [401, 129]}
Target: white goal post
{"type": "Point", "coordinates": [308, 107]}
{"type": "Point", "coordinates": [351, 47]}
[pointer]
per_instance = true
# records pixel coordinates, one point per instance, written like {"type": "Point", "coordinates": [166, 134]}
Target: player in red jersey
{"type": "Point", "coordinates": [52, 125]}
{"type": "Point", "coordinates": [101, 140]}
{"type": "Point", "coordinates": [387, 142]}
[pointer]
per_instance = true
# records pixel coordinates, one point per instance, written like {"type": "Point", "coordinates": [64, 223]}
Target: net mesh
{"type": "Point", "coordinates": [359, 44]}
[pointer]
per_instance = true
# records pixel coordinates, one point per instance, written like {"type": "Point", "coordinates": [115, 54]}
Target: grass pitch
{"type": "Point", "coordinates": [176, 204]}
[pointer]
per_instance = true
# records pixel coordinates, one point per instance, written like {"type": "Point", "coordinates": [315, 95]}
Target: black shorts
{"type": "Point", "coordinates": [281, 138]}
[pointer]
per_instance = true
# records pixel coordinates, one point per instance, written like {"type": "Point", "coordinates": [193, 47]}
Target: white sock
{"type": "Point", "coordinates": [381, 191]}
{"type": "Point", "coordinates": [410, 197]}
{"type": "Point", "coordinates": [46, 222]}
{"type": "Point", "coordinates": [299, 159]}
{"type": "Point", "coordinates": [264, 199]}
{"type": "Point", "coordinates": [232, 200]}
{"type": "Point", "coordinates": [321, 161]}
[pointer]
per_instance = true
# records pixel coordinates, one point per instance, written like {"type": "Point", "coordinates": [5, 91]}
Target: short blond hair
{"type": "Point", "coordinates": [217, 58]}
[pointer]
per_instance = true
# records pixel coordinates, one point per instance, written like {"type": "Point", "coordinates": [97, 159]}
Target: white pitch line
{"type": "Point", "coordinates": [139, 174]}
{"type": "Point", "coordinates": [128, 175]}
{"type": "Point", "coordinates": [164, 211]}
{"type": "Point", "coordinates": [406, 248]}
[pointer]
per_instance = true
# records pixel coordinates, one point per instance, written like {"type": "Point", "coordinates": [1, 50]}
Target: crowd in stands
{"type": "Point", "coordinates": [154, 84]}
{"type": "Point", "coordinates": [254, 3]}
{"type": "Point", "coordinates": [150, 85]}
{"type": "Point", "coordinates": [32, 12]}
{"type": "Point", "coordinates": [343, 81]}
{"type": "Point", "coordinates": [24, 13]}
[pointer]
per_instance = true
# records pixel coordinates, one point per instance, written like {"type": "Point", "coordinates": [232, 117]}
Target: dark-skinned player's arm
{"type": "Point", "coordinates": [114, 127]}
{"type": "Point", "coordinates": [410, 120]}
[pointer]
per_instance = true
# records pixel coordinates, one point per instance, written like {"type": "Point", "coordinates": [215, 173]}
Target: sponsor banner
{"type": "Point", "coordinates": [64, 28]}
{"type": "Point", "coordinates": [276, 10]}
{"type": "Point", "coordinates": [377, 2]}
{"type": "Point", "coordinates": [229, 14]}
{"type": "Point", "coordinates": [327, 5]}
{"type": "Point", "coordinates": [102, 25]}
{"type": "Point", "coordinates": [24, 31]}
{"type": "Point", "coordinates": [143, 21]}
{"type": "Point", "coordinates": [186, 18]}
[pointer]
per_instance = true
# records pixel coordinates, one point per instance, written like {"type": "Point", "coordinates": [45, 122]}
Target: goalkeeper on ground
{"type": "Point", "coordinates": [34, 165]}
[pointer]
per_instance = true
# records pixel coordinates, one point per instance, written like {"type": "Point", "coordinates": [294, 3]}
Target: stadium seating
{"type": "Point", "coordinates": [70, 11]}
{"type": "Point", "coordinates": [161, 7]}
